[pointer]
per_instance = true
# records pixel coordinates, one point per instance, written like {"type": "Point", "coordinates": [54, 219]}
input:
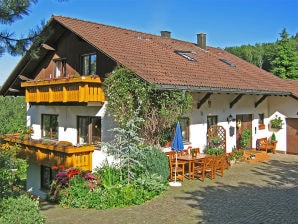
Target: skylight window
{"type": "Point", "coordinates": [187, 54]}
{"type": "Point", "coordinates": [227, 62]}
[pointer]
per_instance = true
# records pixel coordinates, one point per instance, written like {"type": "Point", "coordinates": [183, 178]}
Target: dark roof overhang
{"type": "Point", "coordinates": [223, 90]}
{"type": "Point", "coordinates": [26, 68]}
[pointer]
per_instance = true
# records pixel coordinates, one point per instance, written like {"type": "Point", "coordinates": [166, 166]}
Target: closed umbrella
{"type": "Point", "coordinates": [177, 145]}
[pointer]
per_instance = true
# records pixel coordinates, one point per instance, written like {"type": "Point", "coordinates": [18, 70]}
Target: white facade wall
{"type": "Point", "coordinates": [34, 181]}
{"type": "Point", "coordinates": [67, 120]}
{"type": "Point", "coordinates": [219, 105]}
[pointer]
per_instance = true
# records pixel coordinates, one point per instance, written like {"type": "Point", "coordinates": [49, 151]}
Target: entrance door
{"type": "Point", "coordinates": [292, 136]}
{"type": "Point", "coordinates": [243, 121]}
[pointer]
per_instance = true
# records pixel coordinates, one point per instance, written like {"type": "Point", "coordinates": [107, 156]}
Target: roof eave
{"type": "Point", "coordinates": [222, 90]}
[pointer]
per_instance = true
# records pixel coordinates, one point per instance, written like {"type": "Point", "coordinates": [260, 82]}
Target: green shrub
{"type": "Point", "coordinates": [109, 175]}
{"type": "Point", "coordinates": [213, 150]}
{"type": "Point", "coordinates": [112, 192]}
{"type": "Point", "coordinates": [154, 162]}
{"type": "Point", "coordinates": [13, 171]}
{"type": "Point", "coordinates": [245, 137]}
{"type": "Point", "coordinates": [21, 210]}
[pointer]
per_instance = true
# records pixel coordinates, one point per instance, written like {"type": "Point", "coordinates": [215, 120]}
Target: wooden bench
{"type": "Point", "coordinates": [266, 145]}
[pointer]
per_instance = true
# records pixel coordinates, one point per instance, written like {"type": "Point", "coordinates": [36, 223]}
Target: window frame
{"type": "Point", "coordinates": [184, 123]}
{"type": "Point", "coordinates": [89, 138]}
{"type": "Point", "coordinates": [61, 64]}
{"type": "Point", "coordinates": [214, 121]}
{"type": "Point", "coordinates": [45, 182]}
{"type": "Point", "coordinates": [88, 71]}
{"type": "Point", "coordinates": [43, 131]}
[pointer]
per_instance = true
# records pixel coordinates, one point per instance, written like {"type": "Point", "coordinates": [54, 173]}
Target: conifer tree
{"type": "Point", "coordinates": [285, 63]}
{"type": "Point", "coordinates": [10, 12]}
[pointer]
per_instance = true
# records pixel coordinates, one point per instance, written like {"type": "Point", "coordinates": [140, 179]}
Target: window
{"type": "Point", "coordinates": [184, 122]}
{"type": "Point", "coordinates": [261, 121]}
{"type": "Point", "coordinates": [211, 120]}
{"type": "Point", "coordinates": [47, 175]}
{"type": "Point", "coordinates": [49, 126]}
{"type": "Point", "coordinates": [261, 118]}
{"type": "Point", "coordinates": [89, 130]}
{"type": "Point", "coordinates": [60, 67]}
{"type": "Point", "coordinates": [227, 62]}
{"type": "Point", "coordinates": [89, 64]}
{"type": "Point", "coordinates": [187, 55]}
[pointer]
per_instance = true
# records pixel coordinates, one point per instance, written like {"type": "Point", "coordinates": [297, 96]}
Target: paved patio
{"type": "Point", "coordinates": [264, 192]}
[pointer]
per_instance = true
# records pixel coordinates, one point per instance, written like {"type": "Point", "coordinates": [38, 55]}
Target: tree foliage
{"type": "Point", "coordinates": [13, 170]}
{"type": "Point", "coordinates": [280, 57]}
{"type": "Point", "coordinates": [13, 114]}
{"type": "Point", "coordinates": [285, 62]}
{"type": "Point", "coordinates": [160, 109]}
{"type": "Point", "coordinates": [10, 12]}
{"type": "Point", "coordinates": [126, 148]}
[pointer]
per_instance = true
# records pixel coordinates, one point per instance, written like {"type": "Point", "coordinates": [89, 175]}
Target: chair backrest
{"type": "Point", "coordinates": [171, 154]}
{"type": "Point", "coordinates": [196, 150]}
{"type": "Point", "coordinates": [262, 143]}
{"type": "Point", "coordinates": [209, 162]}
{"type": "Point", "coordinates": [220, 160]}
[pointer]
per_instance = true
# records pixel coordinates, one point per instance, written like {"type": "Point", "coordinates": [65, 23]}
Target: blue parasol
{"type": "Point", "coordinates": [177, 145]}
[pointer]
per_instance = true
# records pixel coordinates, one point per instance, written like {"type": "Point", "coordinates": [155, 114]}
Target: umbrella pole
{"type": "Point", "coordinates": [175, 184]}
{"type": "Point", "coordinates": [176, 168]}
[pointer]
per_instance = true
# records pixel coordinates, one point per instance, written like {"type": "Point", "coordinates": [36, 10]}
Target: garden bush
{"type": "Point", "coordinates": [107, 190]}
{"type": "Point", "coordinates": [20, 210]}
{"type": "Point", "coordinates": [154, 162]}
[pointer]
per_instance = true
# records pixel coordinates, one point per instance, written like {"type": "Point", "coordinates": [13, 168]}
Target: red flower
{"type": "Point", "coordinates": [61, 167]}
{"type": "Point", "coordinates": [54, 167]}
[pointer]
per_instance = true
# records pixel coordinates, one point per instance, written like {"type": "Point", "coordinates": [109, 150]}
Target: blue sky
{"type": "Point", "coordinates": [226, 22]}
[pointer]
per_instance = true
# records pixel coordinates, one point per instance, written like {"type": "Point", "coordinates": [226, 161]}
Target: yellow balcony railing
{"type": "Point", "coordinates": [52, 153]}
{"type": "Point", "coordinates": [81, 89]}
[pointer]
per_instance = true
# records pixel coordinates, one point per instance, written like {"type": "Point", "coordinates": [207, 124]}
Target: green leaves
{"type": "Point", "coordinates": [129, 96]}
{"type": "Point", "coordinates": [13, 114]}
{"type": "Point", "coordinates": [285, 63]}
{"type": "Point", "coordinates": [280, 58]}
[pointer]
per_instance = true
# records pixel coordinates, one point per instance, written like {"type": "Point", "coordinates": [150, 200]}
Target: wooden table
{"type": "Point", "coordinates": [190, 159]}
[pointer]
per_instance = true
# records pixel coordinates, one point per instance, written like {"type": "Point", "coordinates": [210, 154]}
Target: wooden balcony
{"type": "Point", "coordinates": [83, 89]}
{"type": "Point", "coordinates": [53, 153]}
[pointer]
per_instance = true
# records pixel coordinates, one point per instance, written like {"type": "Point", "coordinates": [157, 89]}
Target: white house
{"type": "Point", "coordinates": [61, 76]}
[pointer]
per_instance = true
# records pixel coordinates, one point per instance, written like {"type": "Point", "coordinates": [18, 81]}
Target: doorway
{"type": "Point", "coordinates": [292, 136]}
{"type": "Point", "coordinates": [243, 121]}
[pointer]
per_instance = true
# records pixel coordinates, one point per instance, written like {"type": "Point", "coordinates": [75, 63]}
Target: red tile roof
{"type": "Point", "coordinates": [153, 58]}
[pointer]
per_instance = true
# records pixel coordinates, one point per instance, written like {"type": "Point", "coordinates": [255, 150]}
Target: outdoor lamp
{"type": "Point", "coordinates": [230, 118]}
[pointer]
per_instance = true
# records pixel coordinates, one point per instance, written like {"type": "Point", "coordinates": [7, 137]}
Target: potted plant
{"type": "Point", "coordinates": [193, 153]}
{"type": "Point", "coordinates": [231, 158]}
{"type": "Point", "coordinates": [216, 140]}
{"type": "Point", "coordinates": [213, 150]}
{"type": "Point", "coordinates": [277, 122]}
{"type": "Point", "coordinates": [245, 138]}
{"type": "Point", "coordinates": [273, 138]}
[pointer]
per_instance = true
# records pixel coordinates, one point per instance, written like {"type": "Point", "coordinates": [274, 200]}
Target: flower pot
{"type": "Point", "coordinates": [232, 162]}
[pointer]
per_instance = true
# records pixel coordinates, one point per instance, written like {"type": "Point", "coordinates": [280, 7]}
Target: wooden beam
{"type": "Point", "coordinates": [24, 78]}
{"type": "Point", "coordinates": [234, 101]}
{"type": "Point", "coordinates": [47, 47]}
{"type": "Point", "coordinates": [203, 100]}
{"type": "Point", "coordinates": [260, 100]}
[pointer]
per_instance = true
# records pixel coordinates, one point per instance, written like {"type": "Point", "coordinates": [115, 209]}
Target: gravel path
{"type": "Point", "coordinates": [264, 192]}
